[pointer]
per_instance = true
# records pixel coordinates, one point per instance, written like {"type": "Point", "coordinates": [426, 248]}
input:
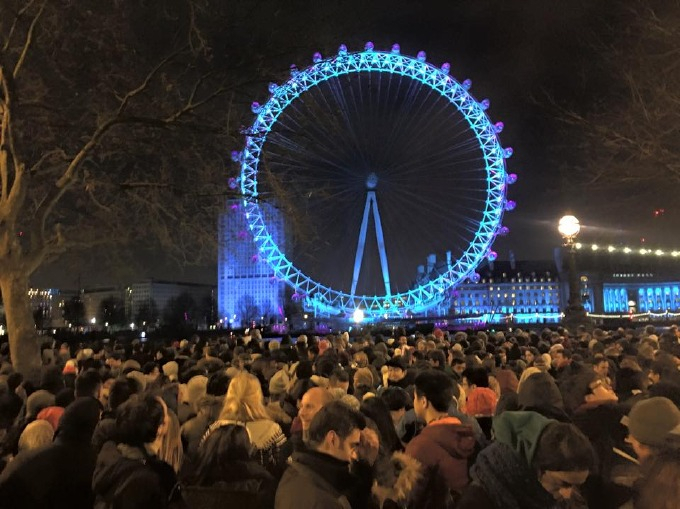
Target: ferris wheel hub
{"type": "Point", "coordinates": [371, 181]}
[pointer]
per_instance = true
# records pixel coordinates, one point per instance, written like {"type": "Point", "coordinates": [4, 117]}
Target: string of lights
{"type": "Point", "coordinates": [628, 250]}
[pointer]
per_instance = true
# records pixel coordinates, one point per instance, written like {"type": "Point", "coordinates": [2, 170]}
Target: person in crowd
{"type": "Point", "coordinates": [120, 392]}
{"type": "Point", "coordinates": [649, 423]}
{"type": "Point", "coordinates": [244, 404]}
{"type": "Point", "coordinates": [225, 474]}
{"type": "Point", "coordinates": [339, 379]}
{"type": "Point", "coordinates": [59, 474]}
{"type": "Point", "coordinates": [88, 384]}
{"type": "Point", "coordinates": [310, 404]}
{"type": "Point", "coordinates": [444, 445]}
{"type": "Point", "coordinates": [129, 473]}
{"type": "Point", "coordinates": [660, 488]}
{"type": "Point", "coordinates": [209, 408]}
{"type": "Point", "coordinates": [320, 476]}
{"type": "Point", "coordinates": [397, 400]}
{"type": "Point", "coordinates": [171, 450]}
{"type": "Point", "coordinates": [37, 434]}
{"type": "Point", "coordinates": [398, 375]}
{"type": "Point", "coordinates": [364, 383]}
{"type": "Point", "coordinates": [534, 463]}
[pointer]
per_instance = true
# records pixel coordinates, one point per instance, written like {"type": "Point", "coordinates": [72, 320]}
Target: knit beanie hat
{"type": "Point", "coordinates": [37, 401]}
{"type": "Point", "coordinates": [651, 420]}
{"type": "Point", "coordinates": [481, 401]}
{"type": "Point", "coordinates": [197, 388]}
{"type": "Point", "coordinates": [278, 383]}
{"type": "Point", "coordinates": [539, 391]}
{"type": "Point", "coordinates": [51, 414]}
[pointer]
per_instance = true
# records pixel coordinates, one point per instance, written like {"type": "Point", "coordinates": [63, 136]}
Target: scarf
{"type": "Point", "coordinates": [508, 480]}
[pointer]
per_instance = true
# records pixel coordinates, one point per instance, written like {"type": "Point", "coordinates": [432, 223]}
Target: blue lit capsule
{"type": "Point", "coordinates": [396, 49]}
{"type": "Point", "coordinates": [511, 178]}
{"type": "Point", "coordinates": [294, 71]}
{"type": "Point", "coordinates": [316, 58]}
{"type": "Point", "coordinates": [475, 277]}
{"type": "Point", "coordinates": [272, 87]}
{"type": "Point", "coordinates": [235, 156]}
{"type": "Point", "coordinates": [446, 67]}
{"type": "Point", "coordinates": [422, 56]}
{"type": "Point", "coordinates": [507, 152]}
{"type": "Point", "coordinates": [255, 107]}
{"type": "Point", "coordinates": [491, 256]}
{"type": "Point", "coordinates": [369, 46]}
{"type": "Point", "coordinates": [503, 231]}
{"type": "Point", "coordinates": [510, 204]}
{"type": "Point", "coordinates": [467, 84]}
{"type": "Point", "coordinates": [498, 127]}
{"type": "Point", "coordinates": [342, 50]}
{"type": "Point", "coordinates": [485, 104]}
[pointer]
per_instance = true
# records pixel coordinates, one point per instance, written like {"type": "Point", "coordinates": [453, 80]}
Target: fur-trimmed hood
{"type": "Point", "coordinates": [395, 478]}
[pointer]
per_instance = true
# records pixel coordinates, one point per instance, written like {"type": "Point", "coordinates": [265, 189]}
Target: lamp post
{"type": "Point", "coordinates": [574, 314]}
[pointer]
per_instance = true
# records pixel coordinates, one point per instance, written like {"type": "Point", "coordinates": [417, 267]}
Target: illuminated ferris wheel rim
{"type": "Point", "coordinates": [432, 291]}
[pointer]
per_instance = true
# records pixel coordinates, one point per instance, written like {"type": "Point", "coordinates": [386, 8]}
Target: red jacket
{"type": "Point", "coordinates": [445, 446]}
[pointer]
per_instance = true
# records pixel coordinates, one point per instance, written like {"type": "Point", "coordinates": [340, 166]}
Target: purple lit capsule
{"type": "Point", "coordinates": [342, 50]}
{"type": "Point", "coordinates": [255, 107]}
{"type": "Point", "coordinates": [467, 84]}
{"type": "Point", "coordinates": [507, 152]}
{"type": "Point", "coordinates": [503, 230]}
{"type": "Point", "coordinates": [485, 104]}
{"type": "Point", "coordinates": [510, 204]}
{"type": "Point", "coordinates": [511, 178]}
{"type": "Point", "coordinates": [272, 87]}
{"type": "Point", "coordinates": [233, 183]}
{"type": "Point", "coordinates": [369, 46]}
{"type": "Point", "coordinates": [294, 70]}
{"type": "Point", "coordinates": [498, 127]}
{"type": "Point", "coordinates": [491, 256]}
{"type": "Point", "coordinates": [235, 156]}
{"type": "Point", "coordinates": [316, 58]}
{"type": "Point", "coordinates": [396, 49]}
{"type": "Point", "coordinates": [446, 67]}
{"type": "Point", "coordinates": [422, 56]}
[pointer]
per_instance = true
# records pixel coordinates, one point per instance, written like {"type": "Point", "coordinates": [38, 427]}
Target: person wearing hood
{"type": "Point", "coordinates": [535, 463]}
{"type": "Point", "coordinates": [60, 474]}
{"type": "Point", "coordinates": [129, 474]}
{"type": "Point", "coordinates": [443, 446]}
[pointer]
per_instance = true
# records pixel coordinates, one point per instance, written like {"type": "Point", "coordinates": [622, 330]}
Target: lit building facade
{"type": "Point", "coordinates": [247, 289]}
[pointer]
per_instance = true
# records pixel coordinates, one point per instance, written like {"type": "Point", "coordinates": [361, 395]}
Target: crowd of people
{"type": "Point", "coordinates": [515, 419]}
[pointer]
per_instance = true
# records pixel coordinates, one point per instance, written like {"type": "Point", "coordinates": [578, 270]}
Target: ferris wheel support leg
{"type": "Point", "coordinates": [381, 246]}
{"type": "Point", "coordinates": [361, 244]}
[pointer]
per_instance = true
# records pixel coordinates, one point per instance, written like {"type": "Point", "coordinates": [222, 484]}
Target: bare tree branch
{"type": "Point", "coordinates": [29, 40]}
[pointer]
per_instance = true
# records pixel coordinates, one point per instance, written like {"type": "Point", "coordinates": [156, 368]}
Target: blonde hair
{"type": "Point", "coordinates": [244, 401]}
{"type": "Point", "coordinates": [526, 374]}
{"type": "Point", "coordinates": [171, 450]}
{"type": "Point", "coordinates": [361, 359]}
{"type": "Point", "coordinates": [37, 434]}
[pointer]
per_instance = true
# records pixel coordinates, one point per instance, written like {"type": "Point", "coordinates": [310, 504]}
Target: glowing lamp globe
{"type": "Point", "coordinates": [569, 227]}
{"type": "Point", "coordinates": [358, 315]}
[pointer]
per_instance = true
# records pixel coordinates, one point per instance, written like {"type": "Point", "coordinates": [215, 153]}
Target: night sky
{"type": "Point", "coordinates": [517, 54]}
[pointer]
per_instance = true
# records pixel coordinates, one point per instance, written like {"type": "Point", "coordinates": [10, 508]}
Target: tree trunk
{"type": "Point", "coordinates": [23, 340]}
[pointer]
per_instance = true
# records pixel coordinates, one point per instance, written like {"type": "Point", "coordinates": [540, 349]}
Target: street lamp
{"type": "Point", "coordinates": [574, 314]}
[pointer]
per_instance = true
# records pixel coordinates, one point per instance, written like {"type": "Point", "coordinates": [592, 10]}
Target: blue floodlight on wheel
{"type": "Point", "coordinates": [432, 290]}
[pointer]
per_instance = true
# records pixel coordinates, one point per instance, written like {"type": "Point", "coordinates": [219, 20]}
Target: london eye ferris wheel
{"type": "Point", "coordinates": [376, 160]}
